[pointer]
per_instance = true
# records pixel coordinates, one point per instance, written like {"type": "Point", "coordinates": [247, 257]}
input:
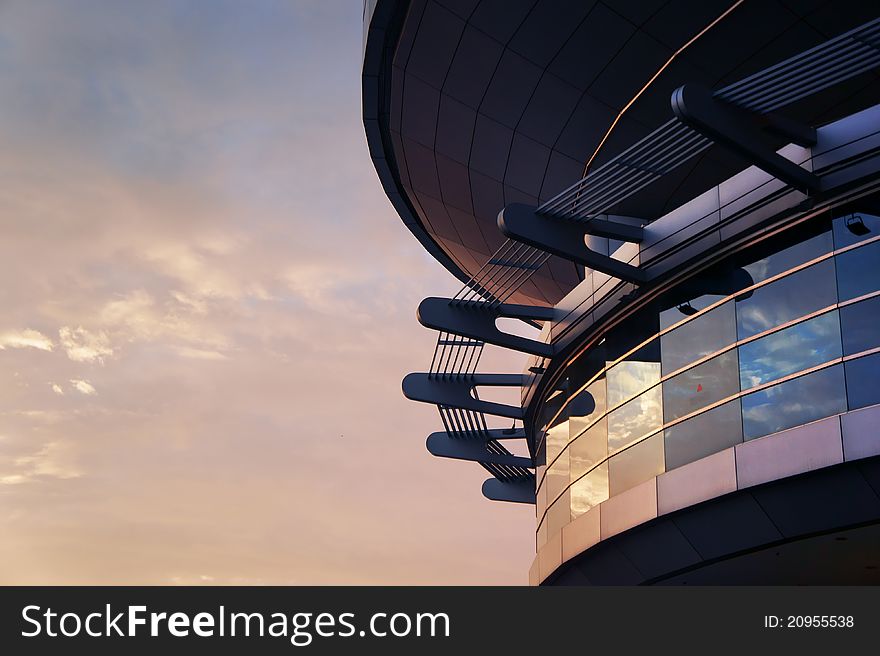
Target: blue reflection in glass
{"type": "Point", "coordinates": [703, 435]}
{"type": "Point", "coordinates": [795, 402]}
{"type": "Point", "coordinates": [863, 381]}
{"type": "Point", "coordinates": [793, 349]}
{"type": "Point", "coordinates": [855, 227]}
{"type": "Point", "coordinates": [700, 386]}
{"type": "Point", "coordinates": [858, 271]}
{"type": "Point", "coordinates": [860, 325]}
{"type": "Point", "coordinates": [789, 298]}
{"type": "Point", "coordinates": [698, 338]}
{"type": "Point", "coordinates": [790, 257]}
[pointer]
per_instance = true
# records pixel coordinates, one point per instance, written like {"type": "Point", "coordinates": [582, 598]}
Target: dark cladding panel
{"type": "Point", "coordinates": [638, 12]}
{"type": "Point", "coordinates": [585, 128]}
{"type": "Point", "coordinates": [400, 158]}
{"type": "Point", "coordinates": [548, 27]}
{"type": "Point", "coordinates": [629, 70]}
{"type": "Point", "coordinates": [437, 216]}
{"type": "Point", "coordinates": [783, 45]}
{"type": "Point", "coordinates": [512, 85]}
{"type": "Point", "coordinates": [421, 166]}
{"type": "Point", "coordinates": [491, 147]}
{"type": "Point", "coordinates": [462, 8]}
{"type": "Point", "coordinates": [454, 183]}
{"type": "Point", "coordinates": [514, 195]}
{"type": "Point", "coordinates": [678, 21]}
{"type": "Point", "coordinates": [527, 165]}
{"type": "Point", "coordinates": [488, 197]}
{"type": "Point", "coordinates": [467, 259]}
{"type": "Point", "coordinates": [419, 116]}
{"type": "Point", "coordinates": [549, 109]}
{"type": "Point", "coordinates": [500, 19]}
{"type": "Point", "coordinates": [468, 228]}
{"type": "Point", "coordinates": [542, 296]}
{"type": "Point", "coordinates": [592, 46]}
{"type": "Point", "coordinates": [727, 49]}
{"type": "Point", "coordinates": [408, 34]}
{"type": "Point", "coordinates": [830, 20]}
{"type": "Point", "coordinates": [472, 68]}
{"type": "Point", "coordinates": [562, 172]}
{"type": "Point", "coordinates": [563, 272]}
{"type": "Point", "coordinates": [397, 77]}
{"type": "Point", "coordinates": [439, 31]}
{"type": "Point", "coordinates": [455, 129]}
{"type": "Point", "coordinates": [730, 524]}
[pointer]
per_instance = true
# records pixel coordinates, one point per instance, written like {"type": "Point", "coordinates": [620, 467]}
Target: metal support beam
{"type": "Point", "coordinates": [477, 321]}
{"type": "Point", "coordinates": [563, 238]}
{"type": "Point", "coordinates": [611, 226]}
{"type": "Point", "coordinates": [740, 132]}
{"type": "Point", "coordinates": [444, 445]}
{"type": "Point", "coordinates": [456, 393]}
{"type": "Point", "coordinates": [521, 490]}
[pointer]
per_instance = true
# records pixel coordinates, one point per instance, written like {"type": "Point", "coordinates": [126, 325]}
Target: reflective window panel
{"type": "Point", "coordinates": [788, 258]}
{"type": "Point", "coordinates": [541, 493]}
{"type": "Point", "coordinates": [589, 491]}
{"type": "Point", "coordinates": [863, 381]}
{"type": "Point", "coordinates": [860, 325]}
{"type": "Point", "coordinates": [794, 402]}
{"type": "Point", "coordinates": [700, 386]}
{"type": "Point", "coordinates": [635, 419]}
{"type": "Point", "coordinates": [556, 439]}
{"type": "Point", "coordinates": [557, 478]}
{"type": "Point", "coordinates": [703, 435]}
{"type": "Point", "coordinates": [559, 515]}
{"type": "Point", "coordinates": [588, 449]}
{"type": "Point", "coordinates": [854, 227]}
{"type": "Point", "coordinates": [785, 299]}
{"type": "Point", "coordinates": [585, 407]}
{"type": "Point", "coordinates": [636, 465]}
{"type": "Point", "coordinates": [858, 271]}
{"type": "Point", "coordinates": [698, 338]}
{"type": "Point", "coordinates": [628, 378]}
{"type": "Point", "coordinates": [788, 351]}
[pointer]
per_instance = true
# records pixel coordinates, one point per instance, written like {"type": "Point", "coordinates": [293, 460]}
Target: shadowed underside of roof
{"type": "Point", "coordinates": [471, 105]}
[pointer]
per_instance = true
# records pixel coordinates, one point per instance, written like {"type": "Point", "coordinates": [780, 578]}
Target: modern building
{"type": "Point", "coordinates": [683, 199]}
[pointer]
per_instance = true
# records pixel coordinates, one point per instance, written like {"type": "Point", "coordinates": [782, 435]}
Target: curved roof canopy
{"type": "Point", "coordinates": [470, 105]}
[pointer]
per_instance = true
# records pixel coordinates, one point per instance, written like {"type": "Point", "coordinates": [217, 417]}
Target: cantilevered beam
{"type": "Point", "coordinates": [444, 445]}
{"type": "Point", "coordinates": [564, 238]}
{"type": "Point", "coordinates": [476, 319]}
{"type": "Point", "coordinates": [740, 132]}
{"type": "Point", "coordinates": [456, 393]}
{"type": "Point", "coordinates": [614, 227]}
{"type": "Point", "coordinates": [521, 490]}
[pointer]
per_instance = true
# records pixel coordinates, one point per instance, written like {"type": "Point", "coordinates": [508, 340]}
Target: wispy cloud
{"type": "Point", "coordinates": [84, 346]}
{"type": "Point", "coordinates": [25, 339]}
{"type": "Point", "coordinates": [83, 386]}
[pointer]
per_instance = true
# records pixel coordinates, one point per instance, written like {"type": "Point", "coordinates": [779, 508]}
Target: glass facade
{"type": "Point", "coordinates": [780, 335]}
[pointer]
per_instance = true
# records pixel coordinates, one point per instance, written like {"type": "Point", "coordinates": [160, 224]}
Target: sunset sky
{"type": "Point", "coordinates": [207, 307]}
